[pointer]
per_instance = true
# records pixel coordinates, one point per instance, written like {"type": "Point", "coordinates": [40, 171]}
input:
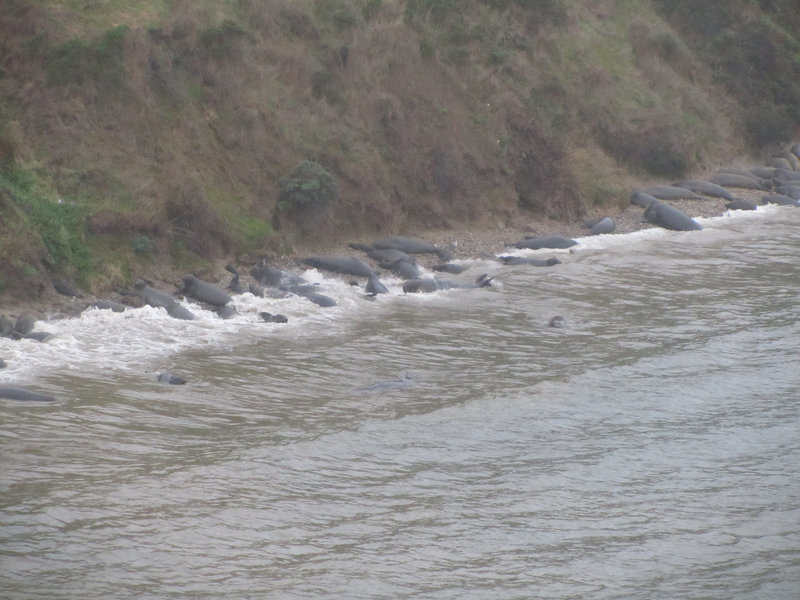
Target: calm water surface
{"type": "Point", "coordinates": [651, 449]}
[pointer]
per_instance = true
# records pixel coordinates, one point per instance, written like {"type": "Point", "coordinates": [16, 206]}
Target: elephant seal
{"type": "Point", "coordinates": [762, 172]}
{"type": "Point", "coordinates": [793, 191]}
{"type": "Point", "coordinates": [25, 324]}
{"type": "Point", "coordinates": [107, 305]}
{"type": "Point", "coordinates": [403, 268]}
{"type": "Point", "coordinates": [18, 393]}
{"type": "Point", "coordinates": [451, 268]}
{"type": "Point", "coordinates": [382, 255]}
{"type": "Point", "coordinates": [779, 162]}
{"type": "Point", "coordinates": [236, 286]}
{"type": "Point", "coordinates": [534, 262]}
{"type": "Point", "coordinates": [786, 176]}
{"type": "Point", "coordinates": [288, 283]}
{"type": "Point", "coordinates": [738, 181]}
{"type": "Point", "coordinates": [159, 299]}
{"type": "Point", "coordinates": [668, 217]}
{"type": "Point", "coordinates": [270, 318]}
{"type": "Point", "coordinates": [65, 288]}
{"type": "Point", "coordinates": [795, 149]}
{"type": "Point", "coordinates": [433, 285]}
{"type": "Point", "coordinates": [642, 199]}
{"type": "Point", "coordinates": [171, 379]}
{"type": "Point", "coordinates": [600, 225]}
{"type": "Point", "coordinates": [780, 199]}
{"type": "Point", "coordinates": [204, 291]}
{"type": "Point", "coordinates": [792, 159]}
{"type": "Point", "coordinates": [406, 381]}
{"type": "Point", "coordinates": [412, 246]}
{"type": "Point", "coordinates": [346, 265]}
{"type": "Point", "coordinates": [39, 336]}
{"type": "Point", "coordinates": [375, 287]}
{"type": "Point", "coordinates": [6, 326]}
{"type": "Point", "coordinates": [547, 241]}
{"type": "Point", "coordinates": [557, 321]}
{"type": "Point", "coordinates": [669, 192]}
{"type": "Point", "coordinates": [740, 205]}
{"type": "Point", "coordinates": [706, 188]}
{"type": "Point", "coordinates": [226, 312]}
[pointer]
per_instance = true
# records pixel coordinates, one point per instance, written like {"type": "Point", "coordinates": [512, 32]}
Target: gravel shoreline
{"type": "Point", "coordinates": [463, 243]}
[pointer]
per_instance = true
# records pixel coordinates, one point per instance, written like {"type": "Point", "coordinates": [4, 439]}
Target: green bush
{"type": "Point", "coordinates": [308, 190]}
{"type": "Point", "coordinates": [78, 62]}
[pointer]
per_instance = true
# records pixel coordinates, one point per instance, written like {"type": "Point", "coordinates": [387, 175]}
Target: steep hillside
{"type": "Point", "coordinates": [138, 136]}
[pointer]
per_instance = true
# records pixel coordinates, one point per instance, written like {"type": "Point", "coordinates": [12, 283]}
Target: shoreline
{"type": "Point", "coordinates": [464, 244]}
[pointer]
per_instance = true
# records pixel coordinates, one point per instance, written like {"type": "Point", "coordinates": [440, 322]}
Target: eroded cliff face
{"type": "Point", "coordinates": [150, 133]}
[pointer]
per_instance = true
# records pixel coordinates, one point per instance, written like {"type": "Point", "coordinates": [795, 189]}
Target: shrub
{"type": "Point", "coordinates": [78, 62]}
{"type": "Point", "coordinates": [308, 191]}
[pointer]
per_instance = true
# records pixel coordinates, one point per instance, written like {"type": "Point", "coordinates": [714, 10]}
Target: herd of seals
{"type": "Point", "coordinates": [777, 183]}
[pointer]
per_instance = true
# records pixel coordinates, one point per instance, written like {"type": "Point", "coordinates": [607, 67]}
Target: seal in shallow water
{"type": "Point", "coordinates": [204, 291]}
{"type": "Point", "coordinates": [545, 241]}
{"type": "Point", "coordinates": [18, 393]}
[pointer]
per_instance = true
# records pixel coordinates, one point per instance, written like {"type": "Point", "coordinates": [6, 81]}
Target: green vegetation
{"type": "Point", "coordinates": [135, 134]}
{"type": "Point", "coordinates": [55, 224]}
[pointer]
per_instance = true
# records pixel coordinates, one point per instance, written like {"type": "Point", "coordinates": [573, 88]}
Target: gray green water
{"type": "Point", "coordinates": [651, 449]}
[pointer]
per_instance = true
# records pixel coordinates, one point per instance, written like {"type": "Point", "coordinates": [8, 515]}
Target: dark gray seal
{"type": "Point", "coordinates": [403, 268]}
{"type": "Point", "coordinates": [642, 199]}
{"type": "Point", "coordinates": [740, 205]}
{"type": "Point", "coordinates": [375, 287]}
{"type": "Point", "coordinates": [383, 255]}
{"type": "Point", "coordinates": [285, 282]}
{"type": "Point", "coordinates": [25, 324]}
{"type": "Point", "coordinates": [738, 181]}
{"type": "Point", "coordinates": [534, 262]}
{"type": "Point", "coordinates": [451, 268]}
{"type": "Point", "coordinates": [705, 188]}
{"type": "Point", "coordinates": [406, 381]}
{"type": "Point", "coordinates": [65, 288]}
{"type": "Point", "coordinates": [171, 379]}
{"type": "Point", "coordinates": [793, 191]}
{"type": "Point", "coordinates": [412, 246]}
{"type": "Point", "coordinates": [557, 321]}
{"type": "Point", "coordinates": [107, 305]}
{"type": "Point", "coordinates": [600, 225]}
{"type": "Point", "coordinates": [39, 336]}
{"type": "Point", "coordinates": [226, 312]}
{"type": "Point", "coordinates": [18, 393]}
{"type": "Point", "coordinates": [433, 285]}
{"type": "Point", "coordinates": [546, 241]}
{"type": "Point", "coordinates": [668, 217]}
{"type": "Point", "coordinates": [159, 299]}
{"type": "Point", "coordinates": [346, 265]}
{"type": "Point", "coordinates": [669, 192]}
{"type": "Point", "coordinates": [780, 199]}
{"type": "Point", "coordinates": [204, 291]}
{"type": "Point", "coordinates": [270, 318]}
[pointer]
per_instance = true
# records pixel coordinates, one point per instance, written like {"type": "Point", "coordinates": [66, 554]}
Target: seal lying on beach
{"type": "Point", "coordinates": [600, 225]}
{"type": "Point", "coordinates": [412, 246]}
{"type": "Point", "coordinates": [546, 241]}
{"type": "Point", "coordinates": [706, 188]}
{"type": "Point", "coordinates": [668, 217]}
{"type": "Point", "coordinates": [346, 265]}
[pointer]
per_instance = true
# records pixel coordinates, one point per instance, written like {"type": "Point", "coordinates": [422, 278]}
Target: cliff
{"type": "Point", "coordinates": [148, 136]}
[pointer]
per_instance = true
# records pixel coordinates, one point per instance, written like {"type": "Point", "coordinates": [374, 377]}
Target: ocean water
{"type": "Point", "coordinates": [449, 445]}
